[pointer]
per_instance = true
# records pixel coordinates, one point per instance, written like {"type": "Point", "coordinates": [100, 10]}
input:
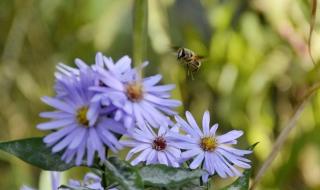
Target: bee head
{"type": "Point", "coordinates": [181, 53]}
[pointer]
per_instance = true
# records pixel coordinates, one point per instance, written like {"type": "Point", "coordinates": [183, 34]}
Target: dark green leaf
{"type": "Point", "coordinates": [35, 152]}
{"type": "Point", "coordinates": [253, 146]}
{"type": "Point", "coordinates": [62, 187]}
{"type": "Point", "coordinates": [123, 173]}
{"type": "Point", "coordinates": [242, 183]}
{"type": "Point", "coordinates": [164, 176]}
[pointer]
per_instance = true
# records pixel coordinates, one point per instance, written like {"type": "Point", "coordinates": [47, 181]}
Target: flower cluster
{"type": "Point", "coordinates": [95, 105]}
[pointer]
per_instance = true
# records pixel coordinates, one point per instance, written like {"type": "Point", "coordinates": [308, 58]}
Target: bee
{"type": "Point", "coordinates": [190, 59]}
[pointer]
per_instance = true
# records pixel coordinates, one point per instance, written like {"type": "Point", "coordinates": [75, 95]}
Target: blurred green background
{"type": "Point", "coordinates": [257, 70]}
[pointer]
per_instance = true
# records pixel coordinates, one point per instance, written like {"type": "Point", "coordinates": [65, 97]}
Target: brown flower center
{"type": "Point", "coordinates": [159, 144]}
{"type": "Point", "coordinates": [82, 116]}
{"type": "Point", "coordinates": [134, 92]}
{"type": "Point", "coordinates": [208, 143]}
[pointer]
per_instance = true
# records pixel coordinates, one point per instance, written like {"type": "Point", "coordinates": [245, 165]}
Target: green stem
{"type": "Point", "coordinates": [140, 31]}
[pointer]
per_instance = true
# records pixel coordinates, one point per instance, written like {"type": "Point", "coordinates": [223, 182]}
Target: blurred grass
{"type": "Point", "coordinates": [257, 68]}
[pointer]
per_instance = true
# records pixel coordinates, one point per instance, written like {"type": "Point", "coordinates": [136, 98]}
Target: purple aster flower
{"type": "Point", "coordinates": [90, 180]}
{"type": "Point", "coordinates": [211, 151]}
{"type": "Point", "coordinates": [139, 99]}
{"type": "Point", "coordinates": [79, 127]}
{"type": "Point", "coordinates": [24, 187]}
{"type": "Point", "coordinates": [153, 147]}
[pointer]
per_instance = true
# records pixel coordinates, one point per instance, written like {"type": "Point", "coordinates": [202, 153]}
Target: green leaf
{"type": "Point", "coordinates": [74, 188]}
{"type": "Point", "coordinates": [35, 152]}
{"type": "Point", "coordinates": [242, 183]}
{"type": "Point", "coordinates": [122, 172]}
{"type": "Point", "coordinates": [164, 176]}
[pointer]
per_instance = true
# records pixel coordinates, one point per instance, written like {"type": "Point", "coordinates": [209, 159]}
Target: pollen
{"type": "Point", "coordinates": [208, 144]}
{"type": "Point", "coordinates": [134, 92]}
{"type": "Point", "coordinates": [82, 116]}
{"type": "Point", "coordinates": [159, 144]}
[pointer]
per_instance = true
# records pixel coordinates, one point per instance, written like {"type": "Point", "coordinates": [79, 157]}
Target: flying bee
{"type": "Point", "coordinates": [190, 59]}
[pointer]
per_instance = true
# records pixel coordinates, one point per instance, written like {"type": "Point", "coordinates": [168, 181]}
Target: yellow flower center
{"type": "Point", "coordinates": [82, 116]}
{"type": "Point", "coordinates": [134, 92]}
{"type": "Point", "coordinates": [208, 143]}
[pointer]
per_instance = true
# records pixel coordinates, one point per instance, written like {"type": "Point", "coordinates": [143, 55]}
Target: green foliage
{"type": "Point", "coordinates": [151, 176]}
{"type": "Point", "coordinates": [72, 188]}
{"type": "Point", "coordinates": [164, 176]}
{"type": "Point", "coordinates": [35, 152]}
{"type": "Point", "coordinates": [123, 173]}
{"type": "Point", "coordinates": [242, 183]}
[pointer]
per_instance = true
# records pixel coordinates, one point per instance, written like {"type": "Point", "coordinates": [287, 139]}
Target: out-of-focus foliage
{"type": "Point", "coordinates": [257, 69]}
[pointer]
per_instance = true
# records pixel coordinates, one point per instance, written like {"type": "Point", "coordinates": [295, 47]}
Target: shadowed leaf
{"type": "Point", "coordinates": [35, 152]}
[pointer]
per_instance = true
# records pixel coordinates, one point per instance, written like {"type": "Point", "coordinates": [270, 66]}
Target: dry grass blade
{"type": "Point", "coordinates": [284, 135]}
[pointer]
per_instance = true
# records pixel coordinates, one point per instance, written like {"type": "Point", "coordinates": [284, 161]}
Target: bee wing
{"type": "Point", "coordinates": [175, 48]}
{"type": "Point", "coordinates": [200, 57]}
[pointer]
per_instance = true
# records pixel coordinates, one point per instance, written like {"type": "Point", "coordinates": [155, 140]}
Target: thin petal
{"type": "Point", "coordinates": [206, 123]}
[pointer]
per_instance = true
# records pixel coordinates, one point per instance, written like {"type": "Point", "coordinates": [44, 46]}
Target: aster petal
{"type": "Point", "coordinates": [64, 143]}
{"type": "Point", "coordinates": [193, 123]}
{"type": "Point", "coordinates": [186, 127]}
{"type": "Point", "coordinates": [162, 158]}
{"type": "Point", "coordinates": [161, 101]}
{"type": "Point", "coordinates": [110, 80]}
{"type": "Point", "coordinates": [162, 130]}
{"type": "Point", "coordinates": [234, 134]}
{"type": "Point", "coordinates": [160, 88]}
{"type": "Point", "coordinates": [80, 151]}
{"type": "Point", "coordinates": [136, 150]}
{"type": "Point", "coordinates": [123, 64]}
{"type": "Point", "coordinates": [191, 153]}
{"type": "Point", "coordinates": [207, 164]}
{"type": "Point", "coordinates": [142, 157]}
{"type": "Point", "coordinates": [167, 110]}
{"type": "Point", "coordinates": [90, 152]}
{"type": "Point", "coordinates": [183, 138]}
{"type": "Point", "coordinates": [55, 124]}
{"type": "Point", "coordinates": [151, 157]}
{"type": "Point", "coordinates": [58, 104]}
{"type": "Point", "coordinates": [54, 137]}
{"type": "Point", "coordinates": [175, 152]}
{"type": "Point", "coordinates": [217, 165]}
{"type": "Point", "coordinates": [113, 126]}
{"type": "Point", "coordinates": [151, 81]}
{"type": "Point", "coordinates": [234, 170]}
{"type": "Point", "coordinates": [81, 64]}
{"type": "Point", "coordinates": [213, 129]}
{"type": "Point", "coordinates": [224, 165]}
{"type": "Point", "coordinates": [172, 160]}
{"type": "Point", "coordinates": [206, 123]}
{"type": "Point", "coordinates": [197, 161]}
{"type": "Point", "coordinates": [234, 159]}
{"type": "Point", "coordinates": [157, 116]}
{"type": "Point", "coordinates": [56, 115]}
{"type": "Point", "coordinates": [145, 114]}
{"type": "Point", "coordinates": [235, 151]}
{"type": "Point", "coordinates": [78, 138]}
{"type": "Point", "coordinates": [137, 113]}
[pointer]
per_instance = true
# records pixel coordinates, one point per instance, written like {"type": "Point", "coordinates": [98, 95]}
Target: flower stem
{"type": "Point", "coordinates": [140, 32]}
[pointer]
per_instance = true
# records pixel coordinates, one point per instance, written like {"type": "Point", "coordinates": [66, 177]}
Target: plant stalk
{"type": "Point", "coordinates": [140, 33]}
